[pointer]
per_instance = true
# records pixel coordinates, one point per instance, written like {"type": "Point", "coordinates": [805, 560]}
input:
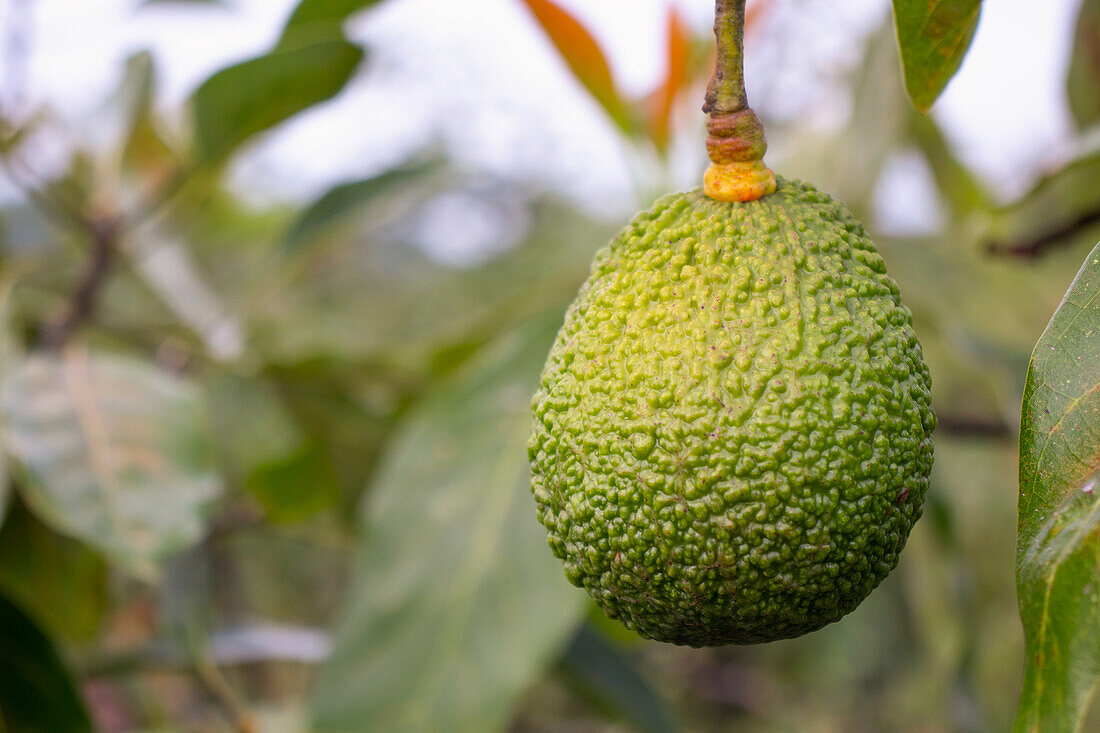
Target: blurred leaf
{"type": "Point", "coordinates": [312, 18]}
{"type": "Point", "coordinates": [242, 100]}
{"type": "Point", "coordinates": [346, 199]}
{"type": "Point", "coordinates": [253, 425]}
{"type": "Point", "coordinates": [349, 409]}
{"type": "Point", "coordinates": [144, 149]}
{"type": "Point", "coordinates": [1060, 605]}
{"type": "Point", "coordinates": [584, 56]}
{"type": "Point", "coordinates": [457, 602]}
{"type": "Point", "coordinates": [169, 270]}
{"type": "Point", "coordinates": [298, 486]}
{"type": "Point", "coordinates": [287, 574]}
{"type": "Point", "coordinates": [116, 453]}
{"type": "Point", "coordinates": [611, 681]}
{"type": "Point", "coordinates": [59, 581]}
{"type": "Point", "coordinates": [1083, 77]}
{"type": "Point", "coordinates": [678, 50]}
{"type": "Point", "coordinates": [373, 300]}
{"type": "Point", "coordinates": [1062, 208]}
{"type": "Point", "coordinates": [1058, 546]}
{"type": "Point", "coordinates": [36, 693]}
{"type": "Point", "coordinates": [849, 163]}
{"type": "Point", "coordinates": [963, 192]}
{"type": "Point", "coordinates": [934, 36]}
{"type": "Point", "coordinates": [24, 230]}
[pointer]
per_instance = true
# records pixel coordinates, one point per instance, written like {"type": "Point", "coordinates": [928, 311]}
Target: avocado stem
{"type": "Point", "coordinates": [736, 142]}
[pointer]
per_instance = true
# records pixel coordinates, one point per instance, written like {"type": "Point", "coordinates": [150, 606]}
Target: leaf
{"type": "Point", "coordinates": [850, 162]}
{"type": "Point", "coordinates": [116, 454]}
{"type": "Point", "coordinates": [584, 57]}
{"type": "Point", "coordinates": [458, 603]}
{"type": "Point", "coordinates": [346, 199]}
{"type": "Point", "coordinates": [253, 425]}
{"type": "Point", "coordinates": [59, 581]}
{"type": "Point", "coordinates": [1060, 603]}
{"type": "Point", "coordinates": [609, 679]}
{"type": "Point", "coordinates": [678, 51]}
{"type": "Point", "coordinates": [36, 693]}
{"type": "Point", "coordinates": [1083, 77]}
{"type": "Point", "coordinates": [384, 302]}
{"type": "Point", "coordinates": [934, 36]}
{"type": "Point", "coordinates": [298, 486]}
{"type": "Point", "coordinates": [145, 151]}
{"type": "Point", "coordinates": [960, 188]}
{"type": "Point", "coordinates": [240, 101]}
{"type": "Point", "coordinates": [320, 17]}
{"type": "Point", "coordinates": [167, 267]}
{"type": "Point", "coordinates": [1060, 427]}
{"type": "Point", "coordinates": [1058, 545]}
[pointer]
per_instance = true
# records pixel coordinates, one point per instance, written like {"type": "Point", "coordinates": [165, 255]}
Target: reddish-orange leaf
{"type": "Point", "coordinates": [678, 50]}
{"type": "Point", "coordinates": [583, 55]}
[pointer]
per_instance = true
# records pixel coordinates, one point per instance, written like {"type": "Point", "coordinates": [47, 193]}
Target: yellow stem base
{"type": "Point", "coordinates": [741, 181]}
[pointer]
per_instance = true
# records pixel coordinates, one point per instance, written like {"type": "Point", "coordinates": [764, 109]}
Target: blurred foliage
{"type": "Point", "coordinates": [230, 427]}
{"type": "Point", "coordinates": [36, 694]}
{"type": "Point", "coordinates": [1084, 68]}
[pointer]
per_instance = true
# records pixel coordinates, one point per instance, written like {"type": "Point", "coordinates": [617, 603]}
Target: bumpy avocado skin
{"type": "Point", "coordinates": [733, 430]}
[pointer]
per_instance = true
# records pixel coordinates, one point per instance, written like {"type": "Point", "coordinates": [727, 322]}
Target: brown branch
{"type": "Point", "coordinates": [975, 427]}
{"type": "Point", "coordinates": [210, 676]}
{"type": "Point", "coordinates": [82, 302]}
{"type": "Point", "coordinates": [1032, 248]}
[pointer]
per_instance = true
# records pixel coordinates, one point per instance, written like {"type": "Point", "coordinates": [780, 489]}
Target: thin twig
{"type": "Point", "coordinates": [82, 302]}
{"type": "Point", "coordinates": [977, 427]}
{"type": "Point", "coordinates": [210, 675]}
{"type": "Point", "coordinates": [1032, 248]}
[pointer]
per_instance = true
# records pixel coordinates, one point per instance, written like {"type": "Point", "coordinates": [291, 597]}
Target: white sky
{"type": "Point", "coordinates": [485, 59]}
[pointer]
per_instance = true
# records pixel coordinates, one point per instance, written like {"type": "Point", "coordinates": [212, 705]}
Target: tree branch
{"type": "Point", "coordinates": [976, 427]}
{"type": "Point", "coordinates": [1032, 248]}
{"type": "Point", "coordinates": [82, 302]}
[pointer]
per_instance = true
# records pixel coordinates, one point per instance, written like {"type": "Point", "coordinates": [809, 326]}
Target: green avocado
{"type": "Point", "coordinates": [733, 430]}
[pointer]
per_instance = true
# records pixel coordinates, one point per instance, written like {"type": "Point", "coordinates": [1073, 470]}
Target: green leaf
{"type": "Point", "coordinates": [116, 453]}
{"type": "Point", "coordinates": [346, 199]}
{"type": "Point", "coordinates": [1083, 78]}
{"type": "Point", "coordinates": [585, 58]}
{"type": "Point", "coordinates": [458, 604]}
{"type": "Point", "coordinates": [253, 425]}
{"type": "Point", "coordinates": [59, 581]}
{"type": "Point", "coordinates": [611, 681]}
{"type": "Point", "coordinates": [248, 98]}
{"type": "Point", "coordinates": [167, 266]}
{"type": "Point", "coordinates": [298, 486]}
{"type": "Point", "coordinates": [1058, 545]}
{"type": "Point", "coordinates": [386, 303]}
{"type": "Point", "coordinates": [934, 36]}
{"type": "Point", "coordinates": [1060, 427]}
{"type": "Point", "coordinates": [1060, 605]}
{"type": "Point", "coordinates": [36, 693]}
{"type": "Point", "coordinates": [316, 17]}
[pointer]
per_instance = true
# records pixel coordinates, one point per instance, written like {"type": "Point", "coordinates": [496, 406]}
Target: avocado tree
{"type": "Point", "coordinates": [265, 465]}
